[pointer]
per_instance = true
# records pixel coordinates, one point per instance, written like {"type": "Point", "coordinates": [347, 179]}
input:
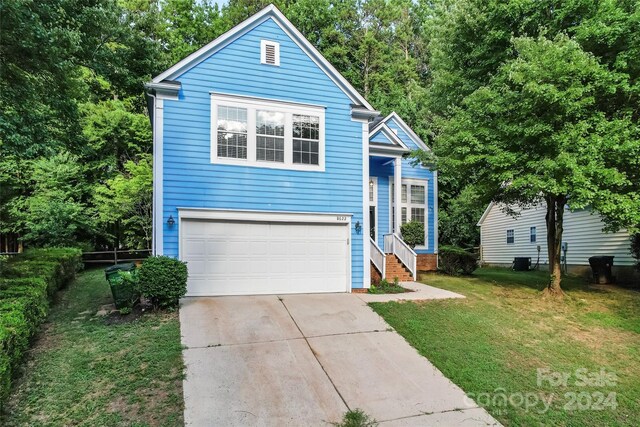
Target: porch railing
{"type": "Point", "coordinates": [393, 244]}
{"type": "Point", "coordinates": [378, 258]}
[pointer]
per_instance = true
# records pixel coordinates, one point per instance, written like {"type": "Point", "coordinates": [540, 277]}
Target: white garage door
{"type": "Point", "coordinates": [246, 258]}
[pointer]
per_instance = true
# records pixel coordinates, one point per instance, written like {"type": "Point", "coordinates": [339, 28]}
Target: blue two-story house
{"type": "Point", "coordinates": [272, 174]}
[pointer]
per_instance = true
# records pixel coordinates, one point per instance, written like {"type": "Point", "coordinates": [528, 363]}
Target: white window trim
{"type": "Point", "coordinates": [252, 105]}
{"type": "Point", "coordinates": [263, 52]}
{"type": "Point", "coordinates": [408, 182]}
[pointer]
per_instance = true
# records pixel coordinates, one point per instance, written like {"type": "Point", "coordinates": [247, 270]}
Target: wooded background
{"type": "Point", "coordinates": [489, 84]}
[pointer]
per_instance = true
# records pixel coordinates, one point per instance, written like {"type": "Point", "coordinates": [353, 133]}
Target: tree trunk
{"type": "Point", "coordinates": [554, 220]}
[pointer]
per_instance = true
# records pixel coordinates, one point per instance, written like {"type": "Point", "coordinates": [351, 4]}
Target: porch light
{"type": "Point", "coordinates": [171, 222]}
{"type": "Point", "coordinates": [358, 227]}
{"type": "Point", "coordinates": [370, 183]}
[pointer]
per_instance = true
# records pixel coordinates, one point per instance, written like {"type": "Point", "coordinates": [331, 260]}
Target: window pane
{"type": "Point", "coordinates": [533, 234]}
{"type": "Point", "coordinates": [270, 123]}
{"type": "Point", "coordinates": [403, 193]}
{"type": "Point", "coordinates": [305, 152]}
{"type": "Point", "coordinates": [270, 148]}
{"type": "Point", "coordinates": [417, 214]}
{"type": "Point", "coordinates": [232, 132]}
{"type": "Point", "coordinates": [417, 194]}
{"type": "Point", "coordinates": [306, 134]}
{"type": "Point", "coordinates": [232, 119]}
{"type": "Point", "coordinates": [232, 145]}
{"type": "Point", "coordinates": [403, 216]}
{"type": "Point", "coordinates": [510, 236]}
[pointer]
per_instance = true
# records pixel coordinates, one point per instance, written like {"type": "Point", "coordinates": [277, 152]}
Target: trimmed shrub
{"type": "Point", "coordinates": [49, 271]}
{"type": "Point", "coordinates": [27, 284]}
{"type": "Point", "coordinates": [163, 280]}
{"type": "Point", "coordinates": [455, 261]}
{"type": "Point", "coordinates": [412, 233]}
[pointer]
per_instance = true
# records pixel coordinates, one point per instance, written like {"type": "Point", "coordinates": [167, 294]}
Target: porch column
{"type": "Point", "coordinates": [397, 190]}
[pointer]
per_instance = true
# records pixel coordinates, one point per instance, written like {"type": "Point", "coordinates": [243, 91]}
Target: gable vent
{"type": "Point", "coordinates": [269, 52]}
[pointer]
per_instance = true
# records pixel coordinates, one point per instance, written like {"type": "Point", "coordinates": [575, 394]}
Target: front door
{"type": "Point", "coordinates": [373, 205]}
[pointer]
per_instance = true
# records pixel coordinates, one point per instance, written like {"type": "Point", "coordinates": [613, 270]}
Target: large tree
{"type": "Point", "coordinates": [541, 130]}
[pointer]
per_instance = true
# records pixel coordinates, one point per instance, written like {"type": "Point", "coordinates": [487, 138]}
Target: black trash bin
{"type": "Point", "coordinates": [521, 263]}
{"type": "Point", "coordinates": [601, 268]}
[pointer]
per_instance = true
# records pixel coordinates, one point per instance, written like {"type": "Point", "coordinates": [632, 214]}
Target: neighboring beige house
{"type": "Point", "coordinates": [503, 237]}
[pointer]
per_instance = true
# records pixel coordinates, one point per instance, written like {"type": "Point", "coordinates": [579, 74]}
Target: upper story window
{"type": "Point", "coordinates": [533, 234]}
{"type": "Point", "coordinates": [510, 237]}
{"type": "Point", "coordinates": [306, 139]}
{"type": "Point", "coordinates": [269, 52]}
{"type": "Point", "coordinates": [267, 133]}
{"type": "Point", "coordinates": [270, 136]}
{"type": "Point", "coordinates": [232, 132]}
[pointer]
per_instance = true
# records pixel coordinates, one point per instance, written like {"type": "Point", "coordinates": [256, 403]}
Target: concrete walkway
{"type": "Point", "coordinates": [420, 292]}
{"type": "Point", "coordinates": [305, 360]}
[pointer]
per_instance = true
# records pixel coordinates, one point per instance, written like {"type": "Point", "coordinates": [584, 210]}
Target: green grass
{"type": "Point", "coordinates": [493, 342]}
{"type": "Point", "coordinates": [84, 371]}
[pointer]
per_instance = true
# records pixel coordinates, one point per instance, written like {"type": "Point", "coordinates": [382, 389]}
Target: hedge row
{"type": "Point", "coordinates": [27, 283]}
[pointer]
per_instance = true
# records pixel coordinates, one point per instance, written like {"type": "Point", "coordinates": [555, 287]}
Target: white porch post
{"type": "Point", "coordinates": [397, 190]}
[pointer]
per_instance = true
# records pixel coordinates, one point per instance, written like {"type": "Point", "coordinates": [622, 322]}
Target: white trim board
{"type": "Point", "coordinates": [405, 127]}
{"type": "Point", "coordinates": [158, 155]}
{"type": "Point", "coordinates": [366, 248]}
{"type": "Point", "coordinates": [261, 215]}
{"type": "Point", "coordinates": [268, 12]}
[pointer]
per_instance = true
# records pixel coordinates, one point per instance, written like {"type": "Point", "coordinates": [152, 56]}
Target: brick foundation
{"type": "Point", "coordinates": [427, 262]}
{"type": "Point", "coordinates": [375, 274]}
{"type": "Point", "coordinates": [359, 290]}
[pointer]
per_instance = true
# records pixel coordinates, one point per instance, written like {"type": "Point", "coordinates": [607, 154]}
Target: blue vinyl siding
{"type": "Point", "coordinates": [380, 138]}
{"type": "Point", "coordinates": [384, 173]}
{"type": "Point", "coordinates": [189, 178]}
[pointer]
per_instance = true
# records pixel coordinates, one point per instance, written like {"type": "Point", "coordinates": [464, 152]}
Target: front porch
{"type": "Point", "coordinates": [399, 192]}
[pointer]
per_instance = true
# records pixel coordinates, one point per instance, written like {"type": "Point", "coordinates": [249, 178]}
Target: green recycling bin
{"type": "Point", "coordinates": [124, 292]}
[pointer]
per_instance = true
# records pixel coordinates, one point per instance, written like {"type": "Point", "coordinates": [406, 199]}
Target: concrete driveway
{"type": "Point", "coordinates": [305, 360]}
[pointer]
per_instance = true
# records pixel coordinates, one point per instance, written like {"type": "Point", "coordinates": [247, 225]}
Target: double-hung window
{"type": "Point", "coordinates": [413, 203]}
{"type": "Point", "coordinates": [511, 237]}
{"type": "Point", "coordinates": [267, 133]}
{"type": "Point", "coordinates": [533, 234]}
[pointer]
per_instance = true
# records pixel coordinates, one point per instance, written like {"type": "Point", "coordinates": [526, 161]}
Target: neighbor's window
{"type": "Point", "coordinates": [267, 133]}
{"type": "Point", "coordinates": [532, 234]}
{"type": "Point", "coordinates": [232, 132]}
{"type": "Point", "coordinates": [306, 139]}
{"type": "Point", "coordinates": [510, 237]}
{"type": "Point", "coordinates": [270, 136]}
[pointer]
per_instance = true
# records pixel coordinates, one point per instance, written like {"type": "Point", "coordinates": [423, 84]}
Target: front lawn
{"type": "Point", "coordinates": [508, 348]}
{"type": "Point", "coordinates": [95, 370]}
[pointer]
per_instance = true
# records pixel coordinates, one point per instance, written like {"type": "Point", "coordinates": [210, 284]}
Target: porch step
{"type": "Point", "coordinates": [395, 268]}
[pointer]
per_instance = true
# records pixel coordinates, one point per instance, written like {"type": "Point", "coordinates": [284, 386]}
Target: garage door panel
{"type": "Point", "coordinates": [235, 258]}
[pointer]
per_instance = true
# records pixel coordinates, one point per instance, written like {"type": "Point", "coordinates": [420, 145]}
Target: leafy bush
{"type": "Point", "coordinates": [28, 281]}
{"type": "Point", "coordinates": [163, 280]}
{"type": "Point", "coordinates": [386, 287]}
{"type": "Point", "coordinates": [635, 249]}
{"type": "Point", "coordinates": [456, 261]}
{"type": "Point", "coordinates": [413, 233]}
